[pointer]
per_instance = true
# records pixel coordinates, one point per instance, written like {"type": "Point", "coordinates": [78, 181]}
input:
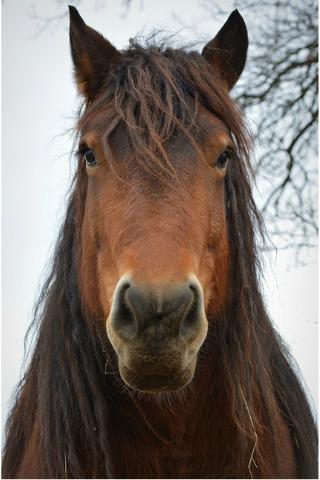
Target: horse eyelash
{"type": "Point", "coordinates": [82, 149]}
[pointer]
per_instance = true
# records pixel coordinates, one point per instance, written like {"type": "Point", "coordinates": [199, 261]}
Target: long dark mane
{"type": "Point", "coordinates": [65, 401]}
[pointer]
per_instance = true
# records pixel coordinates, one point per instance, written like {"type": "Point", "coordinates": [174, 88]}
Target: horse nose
{"type": "Point", "coordinates": [167, 311]}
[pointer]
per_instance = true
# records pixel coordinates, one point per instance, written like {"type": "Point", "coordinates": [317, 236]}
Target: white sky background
{"type": "Point", "coordinates": [38, 103]}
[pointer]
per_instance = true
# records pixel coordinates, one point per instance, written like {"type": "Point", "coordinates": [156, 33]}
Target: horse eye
{"type": "Point", "coordinates": [90, 158]}
{"type": "Point", "coordinates": [223, 158]}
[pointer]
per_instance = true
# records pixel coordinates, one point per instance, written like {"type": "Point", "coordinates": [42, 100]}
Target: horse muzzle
{"type": "Point", "coordinates": [157, 331]}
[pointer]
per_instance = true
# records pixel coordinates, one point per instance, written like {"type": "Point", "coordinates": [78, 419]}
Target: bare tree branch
{"type": "Point", "coordinates": [49, 23]}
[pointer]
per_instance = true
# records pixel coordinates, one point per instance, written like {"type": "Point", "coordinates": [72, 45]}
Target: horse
{"type": "Point", "coordinates": [154, 355]}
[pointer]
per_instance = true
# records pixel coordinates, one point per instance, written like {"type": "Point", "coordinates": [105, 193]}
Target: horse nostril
{"type": "Point", "coordinates": [138, 303]}
{"type": "Point", "coordinates": [193, 314]}
{"type": "Point", "coordinates": [123, 319]}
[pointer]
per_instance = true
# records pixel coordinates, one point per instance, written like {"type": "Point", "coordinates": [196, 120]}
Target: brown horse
{"type": "Point", "coordinates": [154, 355]}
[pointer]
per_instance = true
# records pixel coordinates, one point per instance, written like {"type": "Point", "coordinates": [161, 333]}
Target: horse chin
{"type": "Point", "coordinates": [157, 383]}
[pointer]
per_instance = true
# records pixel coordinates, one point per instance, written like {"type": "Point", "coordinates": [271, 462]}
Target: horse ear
{"type": "Point", "coordinates": [92, 55]}
{"type": "Point", "coordinates": [227, 51]}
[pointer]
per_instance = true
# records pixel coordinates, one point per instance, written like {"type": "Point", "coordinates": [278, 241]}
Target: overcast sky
{"type": "Point", "coordinates": [38, 106]}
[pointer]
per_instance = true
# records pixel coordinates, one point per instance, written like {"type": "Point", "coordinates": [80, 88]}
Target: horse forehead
{"type": "Point", "coordinates": [210, 134]}
{"type": "Point", "coordinates": [206, 125]}
{"type": "Point", "coordinates": [185, 155]}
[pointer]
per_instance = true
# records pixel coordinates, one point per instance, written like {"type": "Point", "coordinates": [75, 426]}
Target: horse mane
{"type": "Point", "coordinates": [65, 395]}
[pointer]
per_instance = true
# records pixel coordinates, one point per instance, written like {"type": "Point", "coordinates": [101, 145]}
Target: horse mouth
{"type": "Point", "coordinates": [156, 383]}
